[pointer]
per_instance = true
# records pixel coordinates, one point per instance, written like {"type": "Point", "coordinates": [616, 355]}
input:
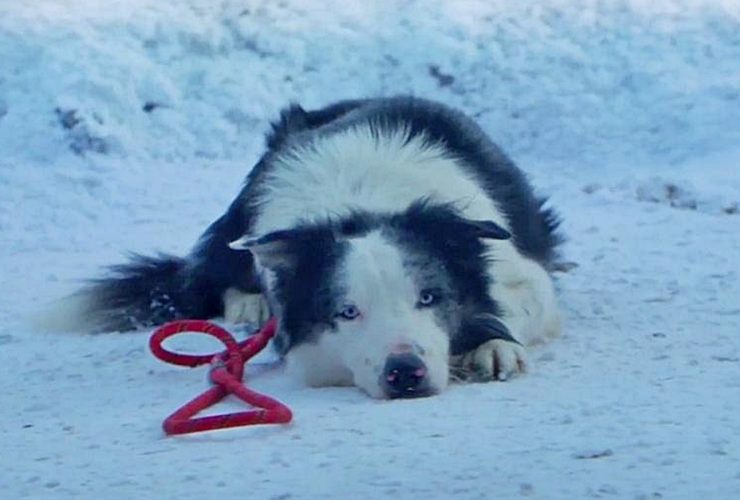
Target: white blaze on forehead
{"type": "Point", "coordinates": [362, 169]}
{"type": "Point", "coordinates": [378, 284]}
{"type": "Point", "coordinates": [374, 275]}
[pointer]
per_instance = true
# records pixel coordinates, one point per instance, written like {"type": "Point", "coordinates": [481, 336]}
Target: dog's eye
{"type": "Point", "coordinates": [348, 312]}
{"type": "Point", "coordinates": [427, 299]}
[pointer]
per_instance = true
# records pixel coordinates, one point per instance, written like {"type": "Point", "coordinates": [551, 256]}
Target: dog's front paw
{"type": "Point", "coordinates": [242, 307]}
{"type": "Point", "coordinates": [497, 359]}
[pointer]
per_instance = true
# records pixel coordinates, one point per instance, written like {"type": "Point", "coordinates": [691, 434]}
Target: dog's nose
{"type": "Point", "coordinates": [405, 376]}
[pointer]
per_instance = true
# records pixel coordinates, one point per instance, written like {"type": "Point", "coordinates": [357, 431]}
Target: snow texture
{"type": "Point", "coordinates": [129, 126]}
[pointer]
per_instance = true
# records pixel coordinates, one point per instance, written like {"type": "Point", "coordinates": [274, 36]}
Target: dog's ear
{"type": "Point", "coordinates": [488, 230]}
{"type": "Point", "coordinates": [279, 249]}
{"type": "Point", "coordinates": [446, 220]}
{"type": "Point", "coordinates": [272, 250]}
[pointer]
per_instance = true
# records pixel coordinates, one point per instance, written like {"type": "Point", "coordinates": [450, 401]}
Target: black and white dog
{"type": "Point", "coordinates": [391, 238]}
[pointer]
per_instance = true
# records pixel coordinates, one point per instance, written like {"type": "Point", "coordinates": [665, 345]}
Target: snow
{"type": "Point", "coordinates": [128, 126]}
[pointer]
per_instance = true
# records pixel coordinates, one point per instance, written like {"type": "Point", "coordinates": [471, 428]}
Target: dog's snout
{"type": "Point", "coordinates": [406, 347]}
{"type": "Point", "coordinates": [405, 376]}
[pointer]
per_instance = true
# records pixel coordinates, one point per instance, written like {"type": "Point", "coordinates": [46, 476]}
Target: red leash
{"type": "Point", "coordinates": [227, 371]}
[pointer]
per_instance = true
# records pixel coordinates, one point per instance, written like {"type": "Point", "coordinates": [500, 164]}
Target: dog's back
{"type": "Point", "coordinates": [152, 290]}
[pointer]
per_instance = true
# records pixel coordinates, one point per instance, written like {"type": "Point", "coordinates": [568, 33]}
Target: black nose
{"type": "Point", "coordinates": [405, 376]}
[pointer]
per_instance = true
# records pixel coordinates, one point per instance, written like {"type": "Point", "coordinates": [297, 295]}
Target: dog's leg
{"type": "Point", "coordinates": [525, 292]}
{"type": "Point", "coordinates": [240, 307]}
{"type": "Point", "coordinates": [526, 296]}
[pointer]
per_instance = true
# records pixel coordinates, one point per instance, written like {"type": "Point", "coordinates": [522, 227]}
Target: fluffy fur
{"type": "Point", "coordinates": [378, 231]}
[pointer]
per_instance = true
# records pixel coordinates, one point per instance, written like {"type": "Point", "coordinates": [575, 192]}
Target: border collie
{"type": "Point", "coordinates": [395, 243]}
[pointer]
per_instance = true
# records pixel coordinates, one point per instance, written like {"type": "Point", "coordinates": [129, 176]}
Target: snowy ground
{"type": "Point", "coordinates": [129, 126]}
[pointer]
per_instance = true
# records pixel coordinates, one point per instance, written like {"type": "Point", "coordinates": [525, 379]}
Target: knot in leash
{"type": "Point", "coordinates": [227, 371]}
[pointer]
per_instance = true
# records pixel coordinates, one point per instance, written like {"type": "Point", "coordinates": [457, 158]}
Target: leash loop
{"type": "Point", "coordinates": [226, 373]}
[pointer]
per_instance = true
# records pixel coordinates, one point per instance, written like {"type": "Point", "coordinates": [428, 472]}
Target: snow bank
{"type": "Point", "coordinates": [129, 126]}
{"type": "Point", "coordinates": [147, 79]}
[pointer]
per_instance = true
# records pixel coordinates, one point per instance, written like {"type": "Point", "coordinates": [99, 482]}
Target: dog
{"type": "Point", "coordinates": [394, 242]}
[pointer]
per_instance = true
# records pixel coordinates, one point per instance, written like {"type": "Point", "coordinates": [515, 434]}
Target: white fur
{"type": "Point", "coordinates": [497, 359]}
{"type": "Point", "coordinates": [320, 364]}
{"type": "Point", "coordinates": [357, 169]}
{"type": "Point", "coordinates": [240, 307]}
{"type": "Point", "coordinates": [380, 287]}
{"type": "Point", "coordinates": [526, 295]}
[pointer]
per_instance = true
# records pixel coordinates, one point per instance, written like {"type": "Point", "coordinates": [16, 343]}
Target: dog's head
{"type": "Point", "coordinates": [382, 298]}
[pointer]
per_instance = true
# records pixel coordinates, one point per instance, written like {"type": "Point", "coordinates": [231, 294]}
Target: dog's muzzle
{"type": "Point", "coordinates": [405, 375]}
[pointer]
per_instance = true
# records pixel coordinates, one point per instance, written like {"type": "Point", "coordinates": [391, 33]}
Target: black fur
{"type": "Point", "coordinates": [295, 119]}
{"type": "Point", "coordinates": [476, 330]}
{"type": "Point", "coordinates": [534, 227]}
{"type": "Point", "coordinates": [144, 292]}
{"type": "Point", "coordinates": [305, 259]}
{"type": "Point", "coordinates": [153, 290]}
{"type": "Point", "coordinates": [442, 233]}
{"type": "Point", "coordinates": [193, 287]}
{"type": "Point", "coordinates": [305, 288]}
{"type": "Point", "coordinates": [215, 266]}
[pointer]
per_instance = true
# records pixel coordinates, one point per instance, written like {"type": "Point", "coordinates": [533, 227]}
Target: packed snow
{"type": "Point", "coordinates": [129, 126]}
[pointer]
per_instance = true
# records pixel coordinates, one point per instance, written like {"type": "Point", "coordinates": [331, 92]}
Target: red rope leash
{"type": "Point", "coordinates": [227, 371]}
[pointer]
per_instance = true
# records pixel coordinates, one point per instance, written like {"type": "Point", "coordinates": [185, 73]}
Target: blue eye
{"type": "Point", "coordinates": [427, 299]}
{"type": "Point", "coordinates": [348, 312]}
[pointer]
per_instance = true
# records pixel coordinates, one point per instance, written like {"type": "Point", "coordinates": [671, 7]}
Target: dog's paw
{"type": "Point", "coordinates": [497, 359]}
{"type": "Point", "coordinates": [242, 307]}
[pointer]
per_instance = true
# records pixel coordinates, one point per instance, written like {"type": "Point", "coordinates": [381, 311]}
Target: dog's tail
{"type": "Point", "coordinates": [148, 291]}
{"type": "Point", "coordinates": [145, 292]}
